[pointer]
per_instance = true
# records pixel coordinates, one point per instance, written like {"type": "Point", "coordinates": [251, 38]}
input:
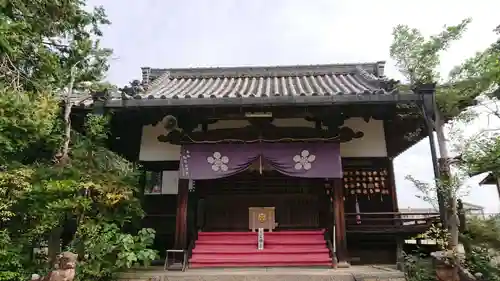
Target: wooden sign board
{"type": "Point", "coordinates": [261, 217]}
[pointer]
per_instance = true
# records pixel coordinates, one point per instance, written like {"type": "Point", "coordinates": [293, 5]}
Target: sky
{"type": "Point", "coordinates": [198, 33]}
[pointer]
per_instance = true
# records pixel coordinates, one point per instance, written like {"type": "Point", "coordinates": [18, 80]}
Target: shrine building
{"type": "Point", "coordinates": [272, 166]}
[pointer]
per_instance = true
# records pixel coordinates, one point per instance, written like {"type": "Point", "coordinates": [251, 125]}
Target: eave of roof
{"type": "Point", "coordinates": [470, 206]}
{"type": "Point", "coordinates": [488, 180]}
{"type": "Point", "coordinates": [265, 101]}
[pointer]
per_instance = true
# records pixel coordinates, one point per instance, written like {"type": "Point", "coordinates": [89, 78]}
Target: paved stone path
{"type": "Point", "coordinates": [354, 273]}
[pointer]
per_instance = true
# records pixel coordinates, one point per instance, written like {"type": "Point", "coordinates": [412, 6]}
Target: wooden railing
{"type": "Point", "coordinates": [389, 221]}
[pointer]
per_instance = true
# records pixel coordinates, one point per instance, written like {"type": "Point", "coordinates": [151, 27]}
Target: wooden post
{"type": "Point", "coordinates": [461, 216]}
{"type": "Point", "coordinates": [400, 253]}
{"type": "Point", "coordinates": [340, 225]}
{"type": "Point", "coordinates": [181, 215]}
{"type": "Point", "coordinates": [392, 181]}
{"type": "Point", "coordinates": [497, 181]}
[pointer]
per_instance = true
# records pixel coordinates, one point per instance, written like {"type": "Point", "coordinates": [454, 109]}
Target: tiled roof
{"type": "Point", "coordinates": [240, 82]}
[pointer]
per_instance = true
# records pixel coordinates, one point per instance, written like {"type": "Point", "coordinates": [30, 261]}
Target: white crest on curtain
{"type": "Point", "coordinates": [218, 162]}
{"type": "Point", "coordinates": [304, 160]}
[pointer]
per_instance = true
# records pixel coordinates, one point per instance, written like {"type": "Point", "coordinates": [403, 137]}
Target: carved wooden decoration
{"type": "Point", "coordinates": [260, 129]}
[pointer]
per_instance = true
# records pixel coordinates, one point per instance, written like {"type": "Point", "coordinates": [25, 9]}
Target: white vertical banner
{"type": "Point", "coordinates": [260, 239]}
{"type": "Point", "coordinates": [334, 240]}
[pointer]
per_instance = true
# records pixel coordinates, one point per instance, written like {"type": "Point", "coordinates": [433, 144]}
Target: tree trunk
{"type": "Point", "coordinates": [62, 159]}
{"type": "Point", "coordinates": [54, 245]}
{"type": "Point", "coordinates": [63, 156]}
{"type": "Point", "coordinates": [449, 195]}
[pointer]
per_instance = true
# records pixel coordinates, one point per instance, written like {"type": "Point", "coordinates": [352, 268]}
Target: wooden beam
{"type": "Point", "coordinates": [181, 216]}
{"type": "Point", "coordinates": [159, 166]}
{"type": "Point", "coordinates": [263, 131]}
{"type": "Point", "coordinates": [340, 225]}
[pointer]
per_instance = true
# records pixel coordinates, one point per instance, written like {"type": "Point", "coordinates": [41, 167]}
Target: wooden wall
{"type": "Point", "coordinates": [300, 203]}
{"type": "Point", "coordinates": [370, 182]}
{"type": "Point", "coordinates": [160, 216]}
{"type": "Point", "coordinates": [160, 209]}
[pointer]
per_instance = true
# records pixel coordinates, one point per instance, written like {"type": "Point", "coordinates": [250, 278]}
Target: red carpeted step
{"type": "Point", "coordinates": [253, 251]}
{"type": "Point", "coordinates": [266, 242]}
{"type": "Point", "coordinates": [267, 235]}
{"type": "Point", "coordinates": [275, 233]}
{"type": "Point", "coordinates": [254, 246]}
{"type": "Point", "coordinates": [283, 258]}
{"type": "Point", "coordinates": [281, 248]}
{"type": "Point", "coordinates": [318, 237]}
{"type": "Point", "coordinates": [260, 264]}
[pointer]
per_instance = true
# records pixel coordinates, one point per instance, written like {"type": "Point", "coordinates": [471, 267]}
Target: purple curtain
{"type": "Point", "coordinates": [307, 160]}
{"type": "Point", "coordinates": [213, 161]}
{"type": "Point", "coordinates": [304, 160]}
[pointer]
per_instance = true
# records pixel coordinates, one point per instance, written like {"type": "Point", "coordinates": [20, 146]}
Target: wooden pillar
{"type": "Point", "coordinates": [497, 181]}
{"type": "Point", "coordinates": [181, 215]}
{"type": "Point", "coordinates": [392, 182]}
{"type": "Point", "coordinates": [340, 225]}
{"type": "Point", "coordinates": [400, 253]}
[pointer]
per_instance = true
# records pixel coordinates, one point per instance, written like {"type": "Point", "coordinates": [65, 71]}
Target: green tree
{"type": "Point", "coordinates": [50, 52]}
{"type": "Point", "coordinates": [417, 58]}
{"type": "Point", "coordinates": [481, 74]}
{"type": "Point", "coordinates": [41, 41]}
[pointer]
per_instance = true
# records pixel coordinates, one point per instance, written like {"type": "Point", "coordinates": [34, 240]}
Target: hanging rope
{"type": "Point", "coordinates": [263, 140]}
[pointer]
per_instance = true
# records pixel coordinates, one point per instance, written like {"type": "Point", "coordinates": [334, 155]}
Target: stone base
{"type": "Point", "coordinates": [354, 273]}
{"type": "Point", "coordinates": [343, 264]}
{"type": "Point", "coordinates": [447, 273]}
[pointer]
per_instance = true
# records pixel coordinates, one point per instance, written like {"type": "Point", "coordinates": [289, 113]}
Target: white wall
{"type": "Point", "coordinates": [372, 144]}
{"type": "Point", "coordinates": [153, 150]}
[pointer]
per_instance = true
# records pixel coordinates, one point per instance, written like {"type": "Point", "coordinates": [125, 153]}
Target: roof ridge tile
{"type": "Point", "coordinates": [265, 71]}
